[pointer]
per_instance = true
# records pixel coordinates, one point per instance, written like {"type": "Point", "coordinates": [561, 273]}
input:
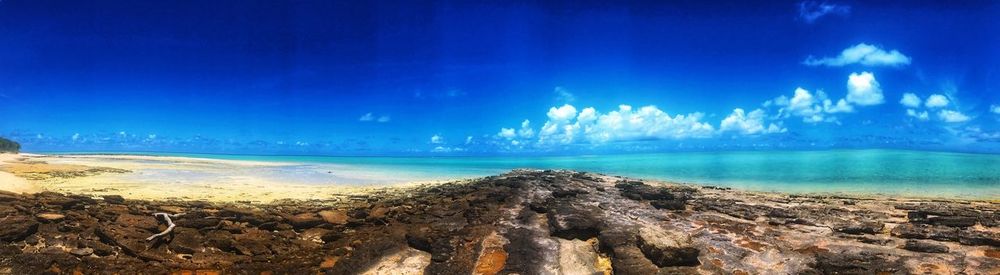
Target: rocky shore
{"type": "Point", "coordinates": [523, 222]}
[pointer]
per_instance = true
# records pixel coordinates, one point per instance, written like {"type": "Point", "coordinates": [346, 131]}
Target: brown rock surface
{"type": "Point", "coordinates": [334, 216]}
{"type": "Point", "coordinates": [525, 222]}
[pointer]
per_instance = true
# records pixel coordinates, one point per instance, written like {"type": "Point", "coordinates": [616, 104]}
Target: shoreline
{"type": "Point", "coordinates": [221, 184]}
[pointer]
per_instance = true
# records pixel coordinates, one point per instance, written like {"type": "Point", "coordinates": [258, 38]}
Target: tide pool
{"type": "Point", "coordinates": [865, 172]}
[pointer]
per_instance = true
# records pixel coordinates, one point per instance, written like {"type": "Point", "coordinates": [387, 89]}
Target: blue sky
{"type": "Point", "coordinates": [460, 78]}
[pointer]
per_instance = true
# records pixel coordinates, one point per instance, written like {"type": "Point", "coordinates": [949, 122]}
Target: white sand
{"type": "Point", "coordinates": [161, 178]}
{"type": "Point", "coordinates": [9, 182]}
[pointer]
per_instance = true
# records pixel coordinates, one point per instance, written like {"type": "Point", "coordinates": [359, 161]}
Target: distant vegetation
{"type": "Point", "coordinates": [9, 146]}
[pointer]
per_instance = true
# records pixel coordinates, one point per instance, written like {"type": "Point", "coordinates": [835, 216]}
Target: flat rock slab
{"type": "Point", "coordinates": [16, 228]}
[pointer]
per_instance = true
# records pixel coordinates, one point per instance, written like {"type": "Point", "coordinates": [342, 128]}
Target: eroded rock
{"type": "Point", "coordinates": [667, 247]}
{"type": "Point", "coordinates": [925, 246]}
{"type": "Point", "coordinates": [16, 228]}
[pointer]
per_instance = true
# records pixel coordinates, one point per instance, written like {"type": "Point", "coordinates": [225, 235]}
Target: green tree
{"type": "Point", "coordinates": [9, 146]}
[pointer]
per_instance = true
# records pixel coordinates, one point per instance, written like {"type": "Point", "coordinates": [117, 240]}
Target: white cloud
{"type": "Point", "coordinates": [995, 109]}
{"type": "Point", "coordinates": [810, 11]}
{"type": "Point", "coordinates": [802, 102]}
{"type": "Point", "coordinates": [371, 117]}
{"type": "Point", "coordinates": [863, 89]}
{"type": "Point", "coordinates": [468, 140]}
{"type": "Point", "coordinates": [841, 107]}
{"type": "Point", "coordinates": [919, 115]}
{"type": "Point", "coordinates": [910, 100]}
{"type": "Point", "coordinates": [748, 124]}
{"type": "Point", "coordinates": [443, 149]}
{"type": "Point", "coordinates": [937, 101]}
{"type": "Point", "coordinates": [863, 54]}
{"type": "Point", "coordinates": [559, 119]}
{"type": "Point", "coordinates": [624, 124]}
{"type": "Point", "coordinates": [588, 115]}
{"type": "Point", "coordinates": [563, 95]}
{"type": "Point", "coordinates": [808, 106]}
{"type": "Point", "coordinates": [436, 139]}
{"type": "Point", "coordinates": [648, 122]}
{"type": "Point", "coordinates": [526, 131]}
{"type": "Point", "coordinates": [507, 133]}
{"type": "Point", "coordinates": [76, 136]}
{"type": "Point", "coordinates": [367, 117]}
{"type": "Point", "coordinates": [952, 116]}
{"type": "Point", "coordinates": [564, 113]}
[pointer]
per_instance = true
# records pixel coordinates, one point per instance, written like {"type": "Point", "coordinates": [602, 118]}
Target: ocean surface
{"type": "Point", "coordinates": [871, 172]}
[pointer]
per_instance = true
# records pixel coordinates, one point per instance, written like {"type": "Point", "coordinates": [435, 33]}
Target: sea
{"type": "Point", "coordinates": [851, 172]}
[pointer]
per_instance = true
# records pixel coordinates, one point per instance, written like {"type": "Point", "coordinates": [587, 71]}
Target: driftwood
{"type": "Point", "coordinates": [170, 224]}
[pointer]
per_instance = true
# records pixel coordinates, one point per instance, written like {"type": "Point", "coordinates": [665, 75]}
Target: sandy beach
{"type": "Point", "coordinates": [164, 178]}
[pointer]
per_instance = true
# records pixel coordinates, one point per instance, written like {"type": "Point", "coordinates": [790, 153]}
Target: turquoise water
{"type": "Point", "coordinates": [877, 172]}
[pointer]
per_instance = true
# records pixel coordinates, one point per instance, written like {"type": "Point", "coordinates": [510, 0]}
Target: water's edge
{"type": "Point", "coordinates": [837, 172]}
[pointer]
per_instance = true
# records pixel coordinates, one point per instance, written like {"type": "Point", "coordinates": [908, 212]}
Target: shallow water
{"type": "Point", "coordinates": [875, 172]}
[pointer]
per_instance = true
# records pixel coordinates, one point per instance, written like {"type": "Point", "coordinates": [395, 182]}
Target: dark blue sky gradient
{"type": "Point", "coordinates": [279, 77]}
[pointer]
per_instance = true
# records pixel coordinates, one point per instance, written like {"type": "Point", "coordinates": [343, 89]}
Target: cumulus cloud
{"type": "Point", "coordinates": [507, 133]}
{"type": "Point", "coordinates": [910, 100]}
{"type": "Point", "coordinates": [436, 139]}
{"type": "Point", "coordinates": [863, 89]}
{"type": "Point", "coordinates": [384, 118]}
{"type": "Point", "coordinates": [517, 137]}
{"type": "Point", "coordinates": [565, 126]}
{"type": "Point", "coordinates": [558, 124]}
{"type": "Point", "coordinates": [526, 131]}
{"type": "Point", "coordinates": [995, 109]}
{"type": "Point", "coordinates": [937, 101]}
{"type": "Point", "coordinates": [919, 115]}
{"type": "Point", "coordinates": [811, 108]}
{"type": "Point", "coordinates": [76, 136]}
{"type": "Point", "coordinates": [864, 54]}
{"type": "Point", "coordinates": [561, 114]}
{"type": "Point", "coordinates": [749, 124]}
{"type": "Point", "coordinates": [588, 115]}
{"type": "Point", "coordinates": [649, 122]}
{"type": "Point", "coordinates": [841, 107]}
{"type": "Point", "coordinates": [952, 116]}
{"type": "Point", "coordinates": [810, 11]}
